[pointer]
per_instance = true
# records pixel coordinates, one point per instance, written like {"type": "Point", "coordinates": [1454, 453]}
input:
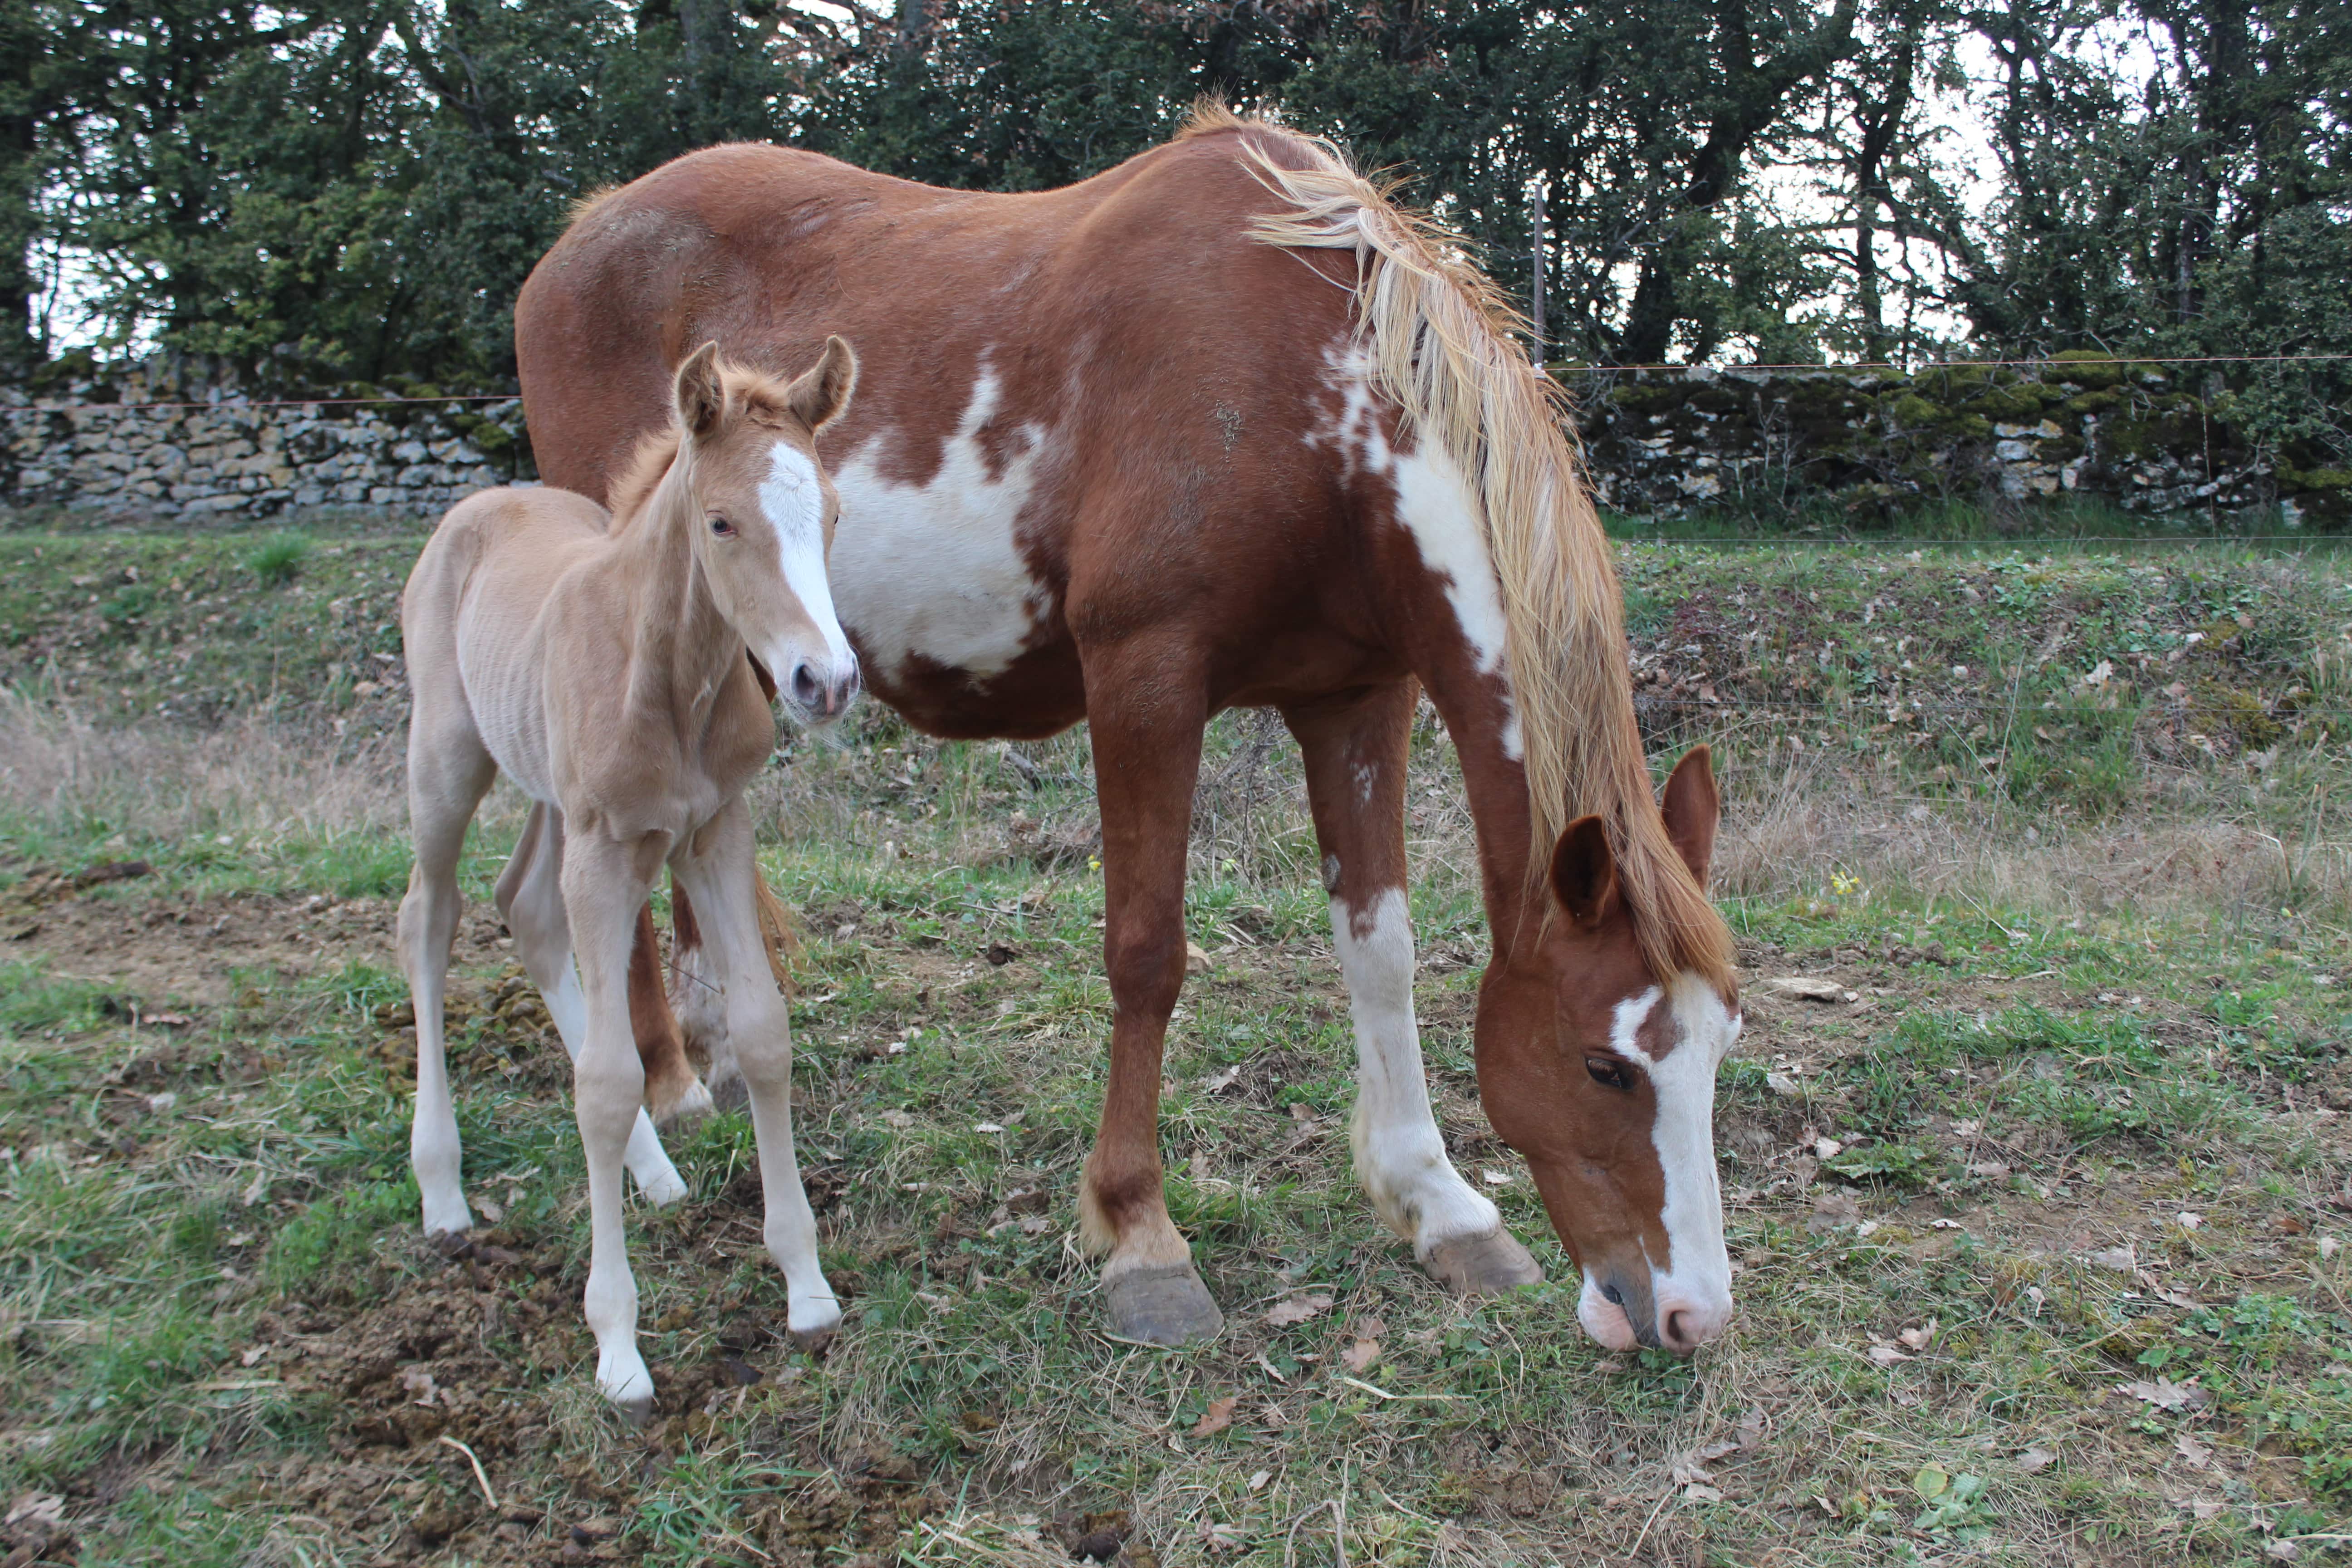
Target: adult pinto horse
{"type": "Point", "coordinates": [1221, 427]}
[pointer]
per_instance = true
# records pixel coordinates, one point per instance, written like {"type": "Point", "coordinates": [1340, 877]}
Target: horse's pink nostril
{"type": "Point", "coordinates": [1685, 1326]}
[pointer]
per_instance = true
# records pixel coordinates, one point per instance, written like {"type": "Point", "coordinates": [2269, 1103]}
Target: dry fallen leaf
{"type": "Point", "coordinates": [1920, 1337]}
{"type": "Point", "coordinates": [898, 1118]}
{"type": "Point", "coordinates": [44, 1510]}
{"type": "Point", "coordinates": [1259, 1478]}
{"type": "Point", "coordinates": [1361, 1355]}
{"type": "Point", "coordinates": [1886, 1355]}
{"type": "Point", "coordinates": [1217, 1081]}
{"type": "Point", "coordinates": [988, 1127]}
{"type": "Point", "coordinates": [2196, 1453]}
{"type": "Point", "coordinates": [2033, 1461]}
{"type": "Point", "coordinates": [1219, 1417]}
{"type": "Point", "coordinates": [2164, 1394]}
{"type": "Point", "coordinates": [1297, 1309]}
{"type": "Point", "coordinates": [1806, 988]}
{"type": "Point", "coordinates": [1370, 1328]}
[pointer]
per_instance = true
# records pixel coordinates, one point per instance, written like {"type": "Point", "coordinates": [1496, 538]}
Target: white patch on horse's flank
{"type": "Point", "coordinates": [792, 496]}
{"type": "Point", "coordinates": [935, 569]}
{"type": "Point", "coordinates": [1400, 1156]}
{"type": "Point", "coordinates": [1698, 1270]}
{"type": "Point", "coordinates": [1438, 508]}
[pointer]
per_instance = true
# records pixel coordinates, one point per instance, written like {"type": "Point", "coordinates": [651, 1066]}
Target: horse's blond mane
{"type": "Point", "coordinates": [1440, 339]}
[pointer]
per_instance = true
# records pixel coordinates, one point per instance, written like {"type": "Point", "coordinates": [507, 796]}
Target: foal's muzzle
{"type": "Point", "coordinates": [824, 695]}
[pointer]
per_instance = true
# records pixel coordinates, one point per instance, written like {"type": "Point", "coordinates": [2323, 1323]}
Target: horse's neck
{"type": "Point", "coordinates": [1447, 594]}
{"type": "Point", "coordinates": [680, 645]}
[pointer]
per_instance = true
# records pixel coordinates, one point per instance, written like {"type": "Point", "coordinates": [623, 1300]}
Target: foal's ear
{"type": "Point", "coordinates": [1584, 872]}
{"type": "Point", "coordinates": [821, 393]}
{"type": "Point", "coordinates": [1691, 808]}
{"type": "Point", "coordinates": [701, 392]}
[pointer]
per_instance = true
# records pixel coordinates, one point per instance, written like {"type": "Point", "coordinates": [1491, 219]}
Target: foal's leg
{"type": "Point", "coordinates": [604, 881]}
{"type": "Point", "coordinates": [716, 871]}
{"type": "Point", "coordinates": [530, 900]}
{"type": "Point", "coordinates": [448, 772]}
{"type": "Point", "coordinates": [1355, 755]}
{"type": "Point", "coordinates": [1146, 730]}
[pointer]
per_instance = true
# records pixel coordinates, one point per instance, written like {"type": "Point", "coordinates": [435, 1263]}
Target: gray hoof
{"type": "Point", "coordinates": [814, 1341]}
{"type": "Point", "coordinates": [1165, 1305]}
{"type": "Point", "coordinates": [1483, 1265]}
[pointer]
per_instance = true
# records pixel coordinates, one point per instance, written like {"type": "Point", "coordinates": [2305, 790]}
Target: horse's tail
{"type": "Point", "coordinates": [780, 931]}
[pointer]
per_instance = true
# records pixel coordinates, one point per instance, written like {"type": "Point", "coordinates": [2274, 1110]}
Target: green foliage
{"type": "Point", "coordinates": [332, 191]}
{"type": "Point", "coordinates": [274, 561]}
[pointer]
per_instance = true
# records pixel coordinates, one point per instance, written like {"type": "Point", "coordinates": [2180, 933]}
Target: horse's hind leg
{"type": "Point", "coordinates": [1356, 754]}
{"type": "Point", "coordinates": [448, 770]}
{"type": "Point", "coordinates": [699, 1000]}
{"type": "Point", "coordinates": [718, 871]}
{"type": "Point", "coordinates": [530, 900]}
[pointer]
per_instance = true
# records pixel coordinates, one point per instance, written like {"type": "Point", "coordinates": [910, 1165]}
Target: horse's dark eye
{"type": "Point", "coordinates": [722, 528]}
{"type": "Point", "coordinates": [1609, 1072]}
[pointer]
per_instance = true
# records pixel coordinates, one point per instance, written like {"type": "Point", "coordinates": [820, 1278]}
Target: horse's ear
{"type": "Point", "coordinates": [1584, 871]}
{"type": "Point", "coordinates": [701, 392]}
{"type": "Point", "coordinates": [1691, 806]}
{"type": "Point", "coordinates": [821, 393]}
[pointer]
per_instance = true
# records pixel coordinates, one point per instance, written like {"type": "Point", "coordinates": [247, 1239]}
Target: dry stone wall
{"type": "Point", "coordinates": [153, 442]}
{"type": "Point", "coordinates": [2146, 437]}
{"type": "Point", "coordinates": [148, 445]}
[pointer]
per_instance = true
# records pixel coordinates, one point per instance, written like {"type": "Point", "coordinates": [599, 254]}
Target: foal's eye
{"type": "Point", "coordinates": [1609, 1072]}
{"type": "Point", "coordinates": [722, 528]}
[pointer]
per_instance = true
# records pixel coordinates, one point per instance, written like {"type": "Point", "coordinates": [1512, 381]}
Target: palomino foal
{"type": "Point", "coordinates": [601, 664]}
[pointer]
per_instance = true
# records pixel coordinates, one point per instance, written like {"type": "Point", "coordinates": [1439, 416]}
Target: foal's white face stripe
{"type": "Point", "coordinates": [793, 497]}
{"type": "Point", "coordinates": [1698, 1270]}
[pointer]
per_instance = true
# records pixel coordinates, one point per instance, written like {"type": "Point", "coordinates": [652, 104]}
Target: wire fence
{"type": "Point", "coordinates": [1557, 367]}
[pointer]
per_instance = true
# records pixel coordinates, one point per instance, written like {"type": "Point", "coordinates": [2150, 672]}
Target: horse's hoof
{"type": "Point", "coordinates": [688, 1104]}
{"type": "Point", "coordinates": [445, 1225]}
{"type": "Point", "coordinates": [630, 1392]}
{"type": "Point", "coordinates": [1483, 1265]}
{"type": "Point", "coordinates": [732, 1093]}
{"type": "Point", "coordinates": [1164, 1305]}
{"type": "Point", "coordinates": [814, 1342]}
{"type": "Point", "coordinates": [666, 1187]}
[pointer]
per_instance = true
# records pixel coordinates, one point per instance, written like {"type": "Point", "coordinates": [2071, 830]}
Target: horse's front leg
{"type": "Point", "coordinates": [717, 872]}
{"type": "Point", "coordinates": [1356, 754]}
{"type": "Point", "coordinates": [1146, 726]}
{"type": "Point", "coordinates": [604, 879]}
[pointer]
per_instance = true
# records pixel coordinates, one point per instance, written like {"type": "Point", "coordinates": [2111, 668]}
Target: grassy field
{"type": "Point", "coordinates": [2037, 1224]}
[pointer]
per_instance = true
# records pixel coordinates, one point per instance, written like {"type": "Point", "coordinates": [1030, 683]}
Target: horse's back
{"type": "Point", "coordinates": [770, 249]}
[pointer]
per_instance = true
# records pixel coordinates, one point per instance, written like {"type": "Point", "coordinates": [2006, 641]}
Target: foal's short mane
{"type": "Point", "coordinates": [749, 392]}
{"type": "Point", "coordinates": [1442, 350]}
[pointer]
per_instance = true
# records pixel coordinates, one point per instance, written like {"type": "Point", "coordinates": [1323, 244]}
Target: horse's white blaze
{"type": "Point", "coordinates": [935, 569]}
{"type": "Point", "coordinates": [793, 497]}
{"type": "Point", "coordinates": [1439, 507]}
{"type": "Point", "coordinates": [1400, 1156]}
{"type": "Point", "coordinates": [1694, 1278]}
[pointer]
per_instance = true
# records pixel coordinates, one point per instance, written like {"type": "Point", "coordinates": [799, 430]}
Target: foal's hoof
{"type": "Point", "coordinates": [1483, 1265]}
{"type": "Point", "coordinates": [814, 1342]}
{"type": "Point", "coordinates": [1164, 1305]}
{"type": "Point", "coordinates": [732, 1093]}
{"type": "Point", "coordinates": [630, 1392]}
